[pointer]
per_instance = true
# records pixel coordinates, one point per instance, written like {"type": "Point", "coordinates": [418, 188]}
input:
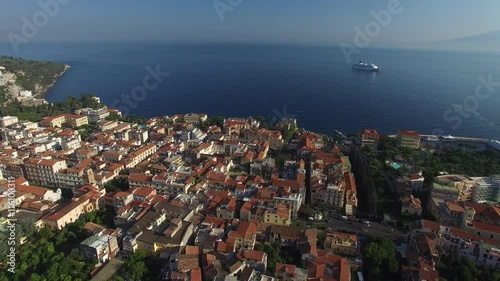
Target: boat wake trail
{"type": "Point", "coordinates": [474, 113]}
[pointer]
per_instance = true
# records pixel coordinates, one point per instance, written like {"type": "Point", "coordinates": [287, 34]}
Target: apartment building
{"type": "Point", "coordinates": [58, 219]}
{"type": "Point", "coordinates": [44, 171]}
{"type": "Point", "coordinates": [226, 209]}
{"type": "Point", "coordinates": [237, 125]}
{"type": "Point", "coordinates": [285, 272]}
{"type": "Point", "coordinates": [100, 247]}
{"type": "Point", "coordinates": [93, 115]}
{"type": "Point", "coordinates": [113, 156]}
{"type": "Point", "coordinates": [37, 193]}
{"type": "Point", "coordinates": [342, 243]}
{"type": "Point", "coordinates": [72, 120]}
{"type": "Point", "coordinates": [77, 175]}
{"type": "Point", "coordinates": [351, 194]}
{"type": "Point", "coordinates": [139, 155]}
{"type": "Point", "coordinates": [274, 138]}
{"type": "Point", "coordinates": [331, 194]}
{"type": "Point", "coordinates": [325, 266]}
{"type": "Point", "coordinates": [410, 139]}
{"type": "Point", "coordinates": [279, 215]}
{"type": "Point", "coordinates": [85, 153]}
{"type": "Point", "coordinates": [369, 137]}
{"type": "Point", "coordinates": [454, 188]}
{"type": "Point", "coordinates": [266, 212]}
{"type": "Point", "coordinates": [195, 118]}
{"type": "Point", "coordinates": [488, 189]}
{"type": "Point", "coordinates": [170, 185]}
{"type": "Point", "coordinates": [411, 205]}
{"type": "Point", "coordinates": [12, 169]}
{"type": "Point", "coordinates": [6, 121]}
{"type": "Point", "coordinates": [244, 235]}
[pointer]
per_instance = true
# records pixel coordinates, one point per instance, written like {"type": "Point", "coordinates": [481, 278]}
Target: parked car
{"type": "Point", "coordinates": [344, 218]}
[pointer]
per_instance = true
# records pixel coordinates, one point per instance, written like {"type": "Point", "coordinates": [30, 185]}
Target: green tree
{"type": "Point", "coordinates": [380, 261]}
{"type": "Point", "coordinates": [134, 268]}
{"type": "Point", "coordinates": [117, 184]}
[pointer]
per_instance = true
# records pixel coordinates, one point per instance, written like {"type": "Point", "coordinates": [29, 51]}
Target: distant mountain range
{"type": "Point", "coordinates": [481, 42]}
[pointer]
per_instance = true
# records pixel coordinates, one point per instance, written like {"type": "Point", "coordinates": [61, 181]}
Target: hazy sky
{"type": "Point", "coordinates": [298, 21]}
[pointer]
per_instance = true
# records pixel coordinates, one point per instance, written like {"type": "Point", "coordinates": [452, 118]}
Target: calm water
{"type": "Point", "coordinates": [413, 90]}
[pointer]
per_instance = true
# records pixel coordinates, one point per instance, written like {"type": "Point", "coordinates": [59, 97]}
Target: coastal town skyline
{"type": "Point", "coordinates": [242, 140]}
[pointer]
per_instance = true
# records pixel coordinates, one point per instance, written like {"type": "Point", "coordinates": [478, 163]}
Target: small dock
{"type": "Point", "coordinates": [456, 139]}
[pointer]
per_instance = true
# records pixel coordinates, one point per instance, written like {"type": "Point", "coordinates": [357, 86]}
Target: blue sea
{"type": "Point", "coordinates": [427, 91]}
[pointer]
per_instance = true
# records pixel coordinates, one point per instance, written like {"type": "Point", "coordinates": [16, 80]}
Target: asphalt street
{"type": "Point", "coordinates": [376, 230]}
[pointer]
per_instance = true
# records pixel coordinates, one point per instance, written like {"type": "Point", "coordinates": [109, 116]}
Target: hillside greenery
{"type": "Point", "coordinates": [139, 267]}
{"type": "Point", "coordinates": [3, 94]}
{"type": "Point", "coordinates": [452, 268]}
{"type": "Point", "coordinates": [430, 162]}
{"type": "Point", "coordinates": [30, 73]}
{"type": "Point", "coordinates": [54, 255]}
{"type": "Point", "coordinates": [36, 113]}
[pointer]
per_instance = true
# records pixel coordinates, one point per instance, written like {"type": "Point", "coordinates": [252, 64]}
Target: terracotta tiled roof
{"type": "Point", "coordinates": [430, 225]}
{"type": "Point", "coordinates": [409, 133]}
{"type": "Point", "coordinates": [487, 227]}
{"type": "Point", "coordinates": [369, 132]}
{"type": "Point", "coordinates": [254, 255]}
{"type": "Point", "coordinates": [288, 269]}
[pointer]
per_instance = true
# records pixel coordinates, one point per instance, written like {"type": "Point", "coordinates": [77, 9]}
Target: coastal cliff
{"type": "Point", "coordinates": [27, 78]}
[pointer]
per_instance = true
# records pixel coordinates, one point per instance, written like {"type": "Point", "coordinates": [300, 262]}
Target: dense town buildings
{"type": "Point", "coordinates": [206, 200]}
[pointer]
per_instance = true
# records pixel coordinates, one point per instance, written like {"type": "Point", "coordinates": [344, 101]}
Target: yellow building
{"type": "Point", "coordinates": [278, 216]}
{"type": "Point", "coordinates": [73, 120]}
{"type": "Point", "coordinates": [409, 139]}
{"type": "Point", "coordinates": [71, 212]}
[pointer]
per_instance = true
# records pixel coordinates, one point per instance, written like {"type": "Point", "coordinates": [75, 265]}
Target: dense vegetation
{"type": "Point", "coordinates": [117, 184]}
{"type": "Point", "coordinates": [36, 113]}
{"type": "Point", "coordinates": [430, 162]}
{"type": "Point", "coordinates": [452, 160]}
{"type": "Point", "coordinates": [450, 268]}
{"type": "Point", "coordinates": [380, 261]}
{"type": "Point", "coordinates": [31, 73]}
{"type": "Point", "coordinates": [138, 267]}
{"type": "Point", "coordinates": [24, 228]}
{"type": "Point", "coordinates": [54, 255]}
{"type": "Point", "coordinates": [3, 94]}
{"type": "Point", "coordinates": [278, 254]}
{"type": "Point", "coordinates": [214, 120]}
